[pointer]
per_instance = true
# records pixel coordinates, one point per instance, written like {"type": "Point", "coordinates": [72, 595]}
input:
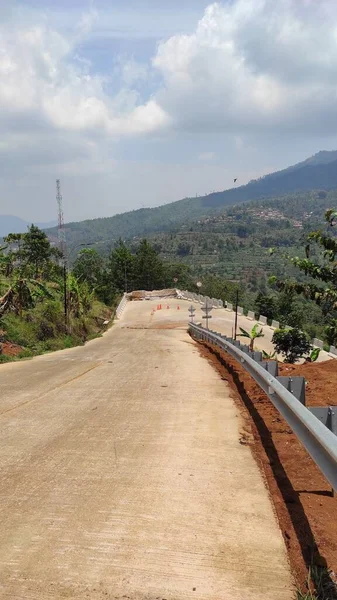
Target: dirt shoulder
{"type": "Point", "coordinates": [302, 497]}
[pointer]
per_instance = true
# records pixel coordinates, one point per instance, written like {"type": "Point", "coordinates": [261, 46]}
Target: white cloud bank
{"type": "Point", "coordinates": [254, 65]}
{"type": "Point", "coordinates": [251, 67]}
{"type": "Point", "coordinates": [41, 85]}
{"type": "Point", "coordinates": [250, 64]}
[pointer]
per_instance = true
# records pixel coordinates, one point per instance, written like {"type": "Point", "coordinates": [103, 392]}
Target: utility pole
{"type": "Point", "coordinates": [63, 249]}
{"type": "Point", "coordinates": [236, 313]}
{"type": "Point", "coordinates": [125, 278]}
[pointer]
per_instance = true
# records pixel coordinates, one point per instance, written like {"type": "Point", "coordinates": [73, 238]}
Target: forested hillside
{"type": "Point", "coordinates": [236, 243]}
{"type": "Point", "coordinates": [318, 173]}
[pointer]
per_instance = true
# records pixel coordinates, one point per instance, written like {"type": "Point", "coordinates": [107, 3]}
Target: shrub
{"type": "Point", "coordinates": [292, 343]}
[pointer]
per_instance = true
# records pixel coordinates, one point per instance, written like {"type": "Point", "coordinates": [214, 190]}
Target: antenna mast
{"type": "Point", "coordinates": [61, 229]}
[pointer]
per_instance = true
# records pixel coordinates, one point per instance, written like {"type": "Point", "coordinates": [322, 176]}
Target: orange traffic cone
{"type": "Point", "coordinates": [167, 306]}
{"type": "Point", "coordinates": [178, 307]}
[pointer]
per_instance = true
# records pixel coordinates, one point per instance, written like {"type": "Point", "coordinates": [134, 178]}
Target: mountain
{"type": "Point", "coordinates": [316, 173]}
{"type": "Point", "coordinates": [11, 224]}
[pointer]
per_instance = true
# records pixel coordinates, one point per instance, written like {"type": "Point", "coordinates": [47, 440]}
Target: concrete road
{"type": "Point", "coordinates": [122, 475]}
{"type": "Point", "coordinates": [223, 322]}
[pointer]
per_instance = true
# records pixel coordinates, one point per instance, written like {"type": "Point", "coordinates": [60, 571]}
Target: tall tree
{"type": "Point", "coordinates": [121, 267]}
{"type": "Point", "coordinates": [89, 266]}
{"type": "Point", "coordinates": [149, 271]}
{"type": "Point", "coordinates": [36, 250]}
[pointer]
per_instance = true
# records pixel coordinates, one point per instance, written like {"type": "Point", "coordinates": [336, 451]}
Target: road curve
{"type": "Point", "coordinates": [122, 475]}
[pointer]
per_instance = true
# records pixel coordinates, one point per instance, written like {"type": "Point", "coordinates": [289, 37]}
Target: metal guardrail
{"type": "Point", "coordinates": [317, 439]}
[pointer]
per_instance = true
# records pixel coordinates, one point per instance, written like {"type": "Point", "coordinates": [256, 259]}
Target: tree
{"type": "Point", "coordinates": [288, 311]}
{"type": "Point", "coordinates": [292, 343]}
{"type": "Point", "coordinates": [121, 267]}
{"type": "Point", "coordinates": [88, 266]}
{"type": "Point", "coordinates": [266, 305]}
{"type": "Point", "coordinates": [183, 249]}
{"type": "Point", "coordinates": [179, 272]}
{"type": "Point", "coordinates": [149, 269]}
{"type": "Point", "coordinates": [324, 271]}
{"type": "Point", "coordinates": [252, 335]}
{"type": "Point", "coordinates": [217, 287]}
{"type": "Point", "coordinates": [36, 250]}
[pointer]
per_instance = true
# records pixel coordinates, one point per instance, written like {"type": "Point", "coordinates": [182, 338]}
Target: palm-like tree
{"type": "Point", "coordinates": [252, 335]}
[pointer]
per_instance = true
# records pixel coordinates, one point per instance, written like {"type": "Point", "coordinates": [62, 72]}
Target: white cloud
{"type": "Point", "coordinates": [41, 84]}
{"type": "Point", "coordinates": [254, 65]}
{"type": "Point", "coordinates": [251, 70]}
{"type": "Point", "coordinates": [250, 65]}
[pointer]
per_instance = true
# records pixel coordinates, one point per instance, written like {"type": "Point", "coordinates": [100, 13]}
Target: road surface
{"type": "Point", "coordinates": [223, 322]}
{"type": "Point", "coordinates": [123, 476]}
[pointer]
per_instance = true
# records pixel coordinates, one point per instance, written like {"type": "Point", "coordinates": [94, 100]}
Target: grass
{"type": "Point", "coordinates": [324, 587]}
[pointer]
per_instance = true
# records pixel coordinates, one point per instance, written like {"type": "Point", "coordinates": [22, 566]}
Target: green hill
{"type": "Point", "coordinates": [316, 173]}
{"type": "Point", "coordinates": [236, 242]}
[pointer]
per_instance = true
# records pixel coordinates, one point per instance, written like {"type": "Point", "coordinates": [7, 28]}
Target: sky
{"type": "Point", "coordinates": [136, 103]}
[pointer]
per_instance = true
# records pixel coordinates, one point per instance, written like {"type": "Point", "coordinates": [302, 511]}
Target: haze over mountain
{"type": "Point", "coordinates": [11, 224]}
{"type": "Point", "coordinates": [318, 172]}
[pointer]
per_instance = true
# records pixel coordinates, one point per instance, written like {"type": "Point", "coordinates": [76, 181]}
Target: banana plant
{"type": "Point", "coordinates": [21, 294]}
{"type": "Point", "coordinates": [269, 355]}
{"type": "Point", "coordinates": [252, 335]}
{"type": "Point", "coordinates": [314, 354]}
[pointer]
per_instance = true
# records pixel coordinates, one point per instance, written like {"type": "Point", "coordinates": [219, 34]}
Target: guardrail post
{"type": "Point", "coordinates": [271, 366]}
{"type": "Point", "coordinates": [275, 325]}
{"type": "Point", "coordinates": [262, 320]}
{"type": "Point", "coordinates": [333, 419]}
{"type": "Point", "coordinates": [327, 415]}
{"type": "Point", "coordinates": [295, 385]}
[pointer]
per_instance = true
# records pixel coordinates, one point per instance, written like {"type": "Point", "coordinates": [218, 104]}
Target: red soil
{"type": "Point", "coordinates": [302, 497]}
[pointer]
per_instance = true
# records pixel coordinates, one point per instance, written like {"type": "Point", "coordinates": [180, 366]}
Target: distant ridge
{"type": "Point", "coordinates": [318, 172]}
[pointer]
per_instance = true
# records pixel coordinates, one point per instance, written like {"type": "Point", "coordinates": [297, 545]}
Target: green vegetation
{"type": "Point", "coordinates": [320, 585]}
{"type": "Point", "coordinates": [31, 302]}
{"type": "Point", "coordinates": [321, 272]}
{"type": "Point", "coordinates": [32, 290]}
{"type": "Point", "coordinates": [252, 335]}
{"type": "Point", "coordinates": [292, 343]}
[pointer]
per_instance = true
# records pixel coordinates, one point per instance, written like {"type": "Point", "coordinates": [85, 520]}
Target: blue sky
{"type": "Point", "coordinates": [139, 103]}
